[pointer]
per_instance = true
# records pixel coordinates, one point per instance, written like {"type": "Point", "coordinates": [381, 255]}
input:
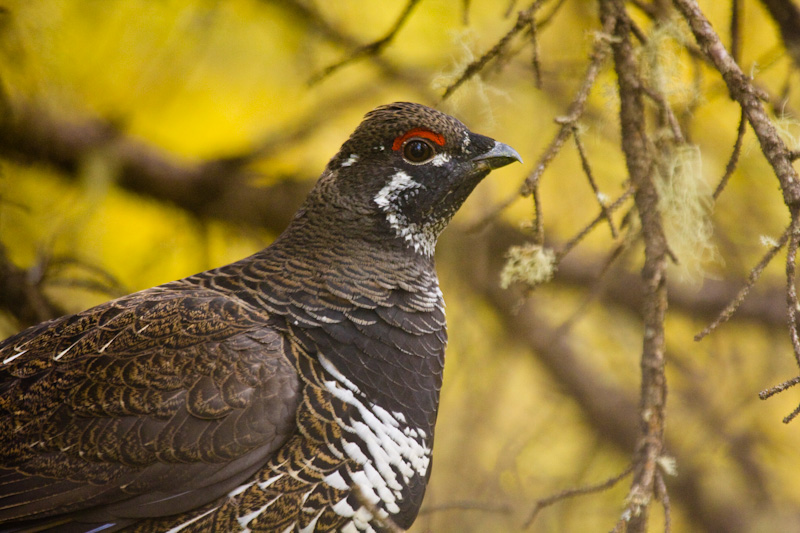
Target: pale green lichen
{"type": "Point", "coordinates": [789, 131]}
{"type": "Point", "coordinates": [668, 465]}
{"type": "Point", "coordinates": [685, 203]}
{"type": "Point", "coordinates": [531, 264]}
{"type": "Point", "coordinates": [768, 241]}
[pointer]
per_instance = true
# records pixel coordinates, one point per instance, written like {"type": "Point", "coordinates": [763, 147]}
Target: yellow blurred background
{"type": "Point", "coordinates": [236, 84]}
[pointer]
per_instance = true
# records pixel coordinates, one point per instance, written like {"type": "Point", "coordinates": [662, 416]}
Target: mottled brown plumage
{"type": "Point", "coordinates": [257, 396]}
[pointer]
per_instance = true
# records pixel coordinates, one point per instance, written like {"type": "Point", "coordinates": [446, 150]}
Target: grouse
{"type": "Point", "coordinates": [295, 390]}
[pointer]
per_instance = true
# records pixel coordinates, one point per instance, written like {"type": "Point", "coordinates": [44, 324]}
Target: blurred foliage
{"type": "Point", "coordinates": [202, 80]}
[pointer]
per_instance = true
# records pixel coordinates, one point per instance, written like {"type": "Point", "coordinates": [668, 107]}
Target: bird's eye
{"type": "Point", "coordinates": [417, 151]}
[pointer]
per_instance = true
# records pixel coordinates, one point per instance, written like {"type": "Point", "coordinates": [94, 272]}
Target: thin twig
{"type": "Point", "coordinates": [772, 391]}
{"type": "Point", "coordinates": [574, 111]}
{"type": "Point", "coordinates": [512, 4]}
{"type": "Point", "coordinates": [748, 96]}
{"type": "Point", "coordinates": [538, 218]}
{"type": "Point", "coordinates": [537, 70]}
{"type": "Point", "coordinates": [371, 49]}
{"type": "Point", "coordinates": [570, 244]}
{"type": "Point", "coordinates": [755, 273]}
{"type": "Point", "coordinates": [587, 170]}
{"type": "Point", "coordinates": [791, 416]}
{"type": "Point", "coordinates": [571, 493]}
{"type": "Point", "coordinates": [734, 159]}
{"type": "Point", "coordinates": [524, 19]}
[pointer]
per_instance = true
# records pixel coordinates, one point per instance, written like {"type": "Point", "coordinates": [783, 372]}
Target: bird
{"type": "Point", "coordinates": [295, 390]}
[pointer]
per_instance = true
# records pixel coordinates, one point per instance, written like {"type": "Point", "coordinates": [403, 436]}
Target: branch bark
{"type": "Point", "coordinates": [745, 93]}
{"type": "Point", "coordinates": [638, 158]}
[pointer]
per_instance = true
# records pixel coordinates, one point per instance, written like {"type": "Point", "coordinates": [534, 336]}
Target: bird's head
{"type": "Point", "coordinates": [410, 168]}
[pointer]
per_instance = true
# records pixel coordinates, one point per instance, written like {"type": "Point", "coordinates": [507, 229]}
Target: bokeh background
{"type": "Point", "coordinates": [142, 141]}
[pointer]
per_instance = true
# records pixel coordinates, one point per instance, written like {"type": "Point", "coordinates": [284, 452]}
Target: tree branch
{"type": "Point", "coordinates": [636, 147]}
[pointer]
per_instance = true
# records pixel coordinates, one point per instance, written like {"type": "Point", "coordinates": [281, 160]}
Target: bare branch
{"type": "Point", "coordinates": [537, 69]}
{"type": "Point", "coordinates": [772, 391]}
{"type": "Point", "coordinates": [524, 20]}
{"type": "Point", "coordinates": [666, 111]}
{"type": "Point", "coordinates": [736, 38]}
{"type": "Point", "coordinates": [371, 49]}
{"type": "Point", "coordinates": [604, 213]}
{"type": "Point", "coordinates": [571, 493]}
{"type": "Point", "coordinates": [574, 111]}
{"type": "Point", "coordinates": [635, 145]}
{"type": "Point", "coordinates": [745, 93]}
{"type": "Point", "coordinates": [755, 273]}
{"type": "Point", "coordinates": [663, 496]}
{"type": "Point", "coordinates": [587, 170]}
{"type": "Point", "coordinates": [734, 159]}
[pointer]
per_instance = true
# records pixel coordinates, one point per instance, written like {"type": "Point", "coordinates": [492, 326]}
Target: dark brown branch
{"type": "Point", "coordinates": [216, 189]}
{"type": "Point", "coordinates": [635, 145]}
{"type": "Point", "coordinates": [745, 93]}
{"type": "Point", "coordinates": [736, 37]}
{"type": "Point", "coordinates": [535, 65]}
{"type": "Point", "coordinates": [316, 24]}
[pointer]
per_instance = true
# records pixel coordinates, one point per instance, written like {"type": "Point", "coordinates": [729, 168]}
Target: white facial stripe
{"type": "Point", "coordinates": [400, 183]}
{"type": "Point", "coordinates": [421, 239]}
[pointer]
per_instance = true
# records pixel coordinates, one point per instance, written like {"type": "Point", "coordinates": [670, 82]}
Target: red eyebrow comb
{"type": "Point", "coordinates": [418, 132]}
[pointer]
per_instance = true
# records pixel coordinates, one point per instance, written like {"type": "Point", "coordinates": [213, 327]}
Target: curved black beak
{"type": "Point", "coordinates": [499, 156]}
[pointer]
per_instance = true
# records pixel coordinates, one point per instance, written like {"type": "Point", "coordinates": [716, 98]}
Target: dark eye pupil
{"type": "Point", "coordinates": [417, 151]}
